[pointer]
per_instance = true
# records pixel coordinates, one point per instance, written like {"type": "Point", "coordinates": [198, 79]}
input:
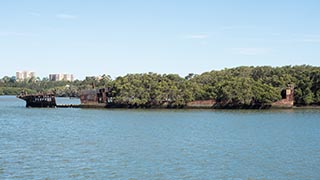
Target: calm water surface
{"type": "Point", "coordinates": [157, 144]}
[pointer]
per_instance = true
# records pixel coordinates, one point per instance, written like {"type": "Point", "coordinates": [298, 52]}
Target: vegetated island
{"type": "Point", "coordinates": [240, 87]}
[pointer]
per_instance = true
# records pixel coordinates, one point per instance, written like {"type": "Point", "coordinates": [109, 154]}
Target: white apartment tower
{"type": "Point", "coordinates": [24, 75]}
{"type": "Point", "coordinates": [61, 77]}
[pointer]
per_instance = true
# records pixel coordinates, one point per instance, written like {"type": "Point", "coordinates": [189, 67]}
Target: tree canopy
{"type": "Point", "coordinates": [241, 85]}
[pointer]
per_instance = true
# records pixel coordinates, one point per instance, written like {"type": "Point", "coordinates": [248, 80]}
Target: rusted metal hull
{"type": "Point", "coordinates": [39, 100]}
{"type": "Point", "coordinates": [95, 98]}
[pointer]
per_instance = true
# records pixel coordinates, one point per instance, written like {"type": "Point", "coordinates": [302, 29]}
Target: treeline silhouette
{"type": "Point", "coordinates": [241, 85]}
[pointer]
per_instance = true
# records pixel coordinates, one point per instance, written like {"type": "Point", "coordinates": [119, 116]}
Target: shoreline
{"type": "Point", "coordinates": [101, 106]}
{"type": "Point", "coordinates": [81, 106]}
{"type": "Point", "coordinates": [307, 107]}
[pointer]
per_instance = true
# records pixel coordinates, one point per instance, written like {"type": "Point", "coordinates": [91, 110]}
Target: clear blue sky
{"type": "Point", "coordinates": [95, 37]}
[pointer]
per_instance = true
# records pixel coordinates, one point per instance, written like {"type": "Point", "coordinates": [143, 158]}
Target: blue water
{"type": "Point", "coordinates": [157, 144]}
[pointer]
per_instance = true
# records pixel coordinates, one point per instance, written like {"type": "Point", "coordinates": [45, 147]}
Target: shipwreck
{"type": "Point", "coordinates": [102, 98]}
{"type": "Point", "coordinates": [39, 100]}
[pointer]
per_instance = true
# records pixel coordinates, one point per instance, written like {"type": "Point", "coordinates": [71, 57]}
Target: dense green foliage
{"type": "Point", "coordinates": [14, 90]}
{"type": "Point", "coordinates": [153, 89]}
{"type": "Point", "coordinates": [60, 88]}
{"type": "Point", "coordinates": [262, 83]}
{"type": "Point", "coordinates": [241, 85]}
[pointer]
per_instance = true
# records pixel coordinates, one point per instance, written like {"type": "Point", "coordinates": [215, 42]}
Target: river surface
{"type": "Point", "coordinates": [71, 143]}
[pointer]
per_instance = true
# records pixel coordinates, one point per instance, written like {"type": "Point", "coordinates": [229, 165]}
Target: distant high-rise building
{"type": "Point", "coordinates": [24, 75]}
{"type": "Point", "coordinates": [93, 77]}
{"type": "Point", "coordinates": [67, 77]}
{"type": "Point", "coordinates": [61, 77]}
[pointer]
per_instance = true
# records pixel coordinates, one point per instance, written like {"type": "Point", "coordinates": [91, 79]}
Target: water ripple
{"type": "Point", "coordinates": [157, 144]}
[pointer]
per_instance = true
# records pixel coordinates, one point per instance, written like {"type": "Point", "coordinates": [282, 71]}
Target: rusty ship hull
{"type": "Point", "coordinates": [39, 100]}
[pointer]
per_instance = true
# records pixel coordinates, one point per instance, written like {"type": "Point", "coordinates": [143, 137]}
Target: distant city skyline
{"type": "Point", "coordinates": [26, 75]}
{"type": "Point", "coordinates": [91, 38]}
